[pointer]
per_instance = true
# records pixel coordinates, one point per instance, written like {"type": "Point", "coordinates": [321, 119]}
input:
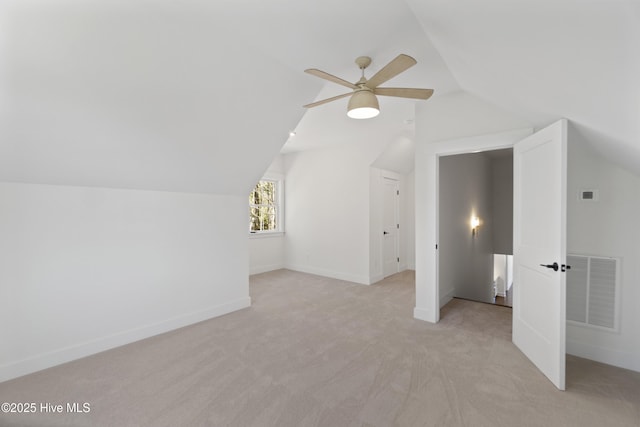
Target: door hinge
{"type": "Point", "coordinates": [397, 225]}
{"type": "Point", "coordinates": [398, 259]}
{"type": "Point", "coordinates": [397, 192]}
{"type": "Point", "coordinates": [436, 246]}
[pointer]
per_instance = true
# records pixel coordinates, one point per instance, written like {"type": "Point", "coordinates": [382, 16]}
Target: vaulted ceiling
{"type": "Point", "coordinates": [199, 96]}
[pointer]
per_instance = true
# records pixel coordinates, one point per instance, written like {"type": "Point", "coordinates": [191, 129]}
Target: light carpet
{"type": "Point", "coordinates": [313, 351]}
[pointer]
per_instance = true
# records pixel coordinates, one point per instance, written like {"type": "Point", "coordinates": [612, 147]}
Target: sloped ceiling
{"type": "Point", "coordinates": [147, 95]}
{"type": "Point", "coordinates": [539, 61]}
{"type": "Point", "coordinates": [545, 60]}
{"type": "Point", "coordinates": [199, 96]}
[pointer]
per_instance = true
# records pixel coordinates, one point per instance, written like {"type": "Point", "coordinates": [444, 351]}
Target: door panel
{"type": "Point", "coordinates": [390, 239]}
{"type": "Point", "coordinates": [539, 311]}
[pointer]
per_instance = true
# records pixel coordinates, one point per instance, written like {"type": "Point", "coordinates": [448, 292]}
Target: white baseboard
{"type": "Point", "coordinates": [363, 280]}
{"type": "Point", "coordinates": [444, 299]}
{"type": "Point", "coordinates": [375, 279]}
{"type": "Point", "coordinates": [620, 359]}
{"type": "Point", "coordinates": [77, 351]}
{"type": "Point", "coordinates": [424, 314]}
{"type": "Point", "coordinates": [265, 268]}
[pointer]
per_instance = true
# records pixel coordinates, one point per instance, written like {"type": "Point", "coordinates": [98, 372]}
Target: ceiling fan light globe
{"type": "Point", "coordinates": [363, 105]}
{"type": "Point", "coordinates": [363, 113]}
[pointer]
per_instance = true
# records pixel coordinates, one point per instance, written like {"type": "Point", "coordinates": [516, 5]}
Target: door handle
{"type": "Point", "coordinates": [384, 232]}
{"type": "Point", "coordinates": [554, 266]}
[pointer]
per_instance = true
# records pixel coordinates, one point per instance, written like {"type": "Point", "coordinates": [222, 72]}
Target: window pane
{"type": "Point", "coordinates": [269, 194]}
{"type": "Point", "coordinates": [258, 198]}
{"type": "Point", "coordinates": [265, 218]}
{"type": "Point", "coordinates": [254, 219]}
{"type": "Point", "coordinates": [262, 207]}
{"type": "Point", "coordinates": [254, 197]}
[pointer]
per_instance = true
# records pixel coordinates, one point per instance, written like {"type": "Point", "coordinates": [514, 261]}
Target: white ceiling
{"type": "Point", "coordinates": [548, 59]}
{"type": "Point", "coordinates": [199, 96]}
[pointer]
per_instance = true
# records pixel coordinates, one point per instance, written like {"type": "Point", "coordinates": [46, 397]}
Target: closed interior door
{"type": "Point", "coordinates": [391, 227]}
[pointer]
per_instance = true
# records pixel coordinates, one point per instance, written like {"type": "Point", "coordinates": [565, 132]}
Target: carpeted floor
{"type": "Point", "coordinates": [313, 351]}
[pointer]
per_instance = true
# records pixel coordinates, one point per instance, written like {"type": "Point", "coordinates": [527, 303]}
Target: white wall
{"type": "Point", "coordinates": [408, 233]}
{"type": "Point", "coordinates": [457, 115]}
{"type": "Point", "coordinates": [87, 269]}
{"type": "Point", "coordinates": [327, 207]}
{"type": "Point", "coordinates": [500, 275]}
{"type": "Point", "coordinates": [607, 227]}
{"type": "Point", "coordinates": [266, 251]}
{"type": "Point", "coordinates": [332, 196]}
{"type": "Point", "coordinates": [502, 200]}
{"type": "Point", "coordinates": [465, 260]}
{"type": "Point", "coordinates": [376, 207]}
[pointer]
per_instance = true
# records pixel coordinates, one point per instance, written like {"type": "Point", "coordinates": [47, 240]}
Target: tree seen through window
{"type": "Point", "coordinates": [262, 207]}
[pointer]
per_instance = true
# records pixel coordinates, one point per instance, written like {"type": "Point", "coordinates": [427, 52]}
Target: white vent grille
{"type": "Point", "coordinates": [577, 288]}
{"type": "Point", "coordinates": [593, 291]}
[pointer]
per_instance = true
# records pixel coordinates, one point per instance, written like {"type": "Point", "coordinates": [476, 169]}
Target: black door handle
{"type": "Point", "coordinates": [554, 266]}
{"type": "Point", "coordinates": [384, 232]}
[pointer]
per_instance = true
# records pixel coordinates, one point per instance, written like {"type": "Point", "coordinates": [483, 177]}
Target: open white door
{"type": "Point", "coordinates": [539, 249]}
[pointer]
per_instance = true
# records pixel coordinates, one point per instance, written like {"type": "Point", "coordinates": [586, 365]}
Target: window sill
{"type": "Point", "coordinates": [265, 235]}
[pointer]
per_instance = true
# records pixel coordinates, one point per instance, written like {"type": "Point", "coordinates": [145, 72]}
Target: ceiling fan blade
{"type": "Point", "coordinates": [404, 92]}
{"type": "Point", "coordinates": [401, 63]}
{"type": "Point", "coordinates": [330, 77]}
{"type": "Point", "coordinates": [324, 101]}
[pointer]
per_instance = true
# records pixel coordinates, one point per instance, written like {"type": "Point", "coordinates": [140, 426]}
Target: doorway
{"type": "Point", "coordinates": [540, 161]}
{"type": "Point", "coordinates": [391, 226]}
{"type": "Point", "coordinates": [503, 279]}
{"type": "Point", "coordinates": [476, 225]}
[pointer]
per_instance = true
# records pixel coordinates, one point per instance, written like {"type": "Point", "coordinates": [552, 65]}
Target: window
{"type": "Point", "coordinates": [265, 213]}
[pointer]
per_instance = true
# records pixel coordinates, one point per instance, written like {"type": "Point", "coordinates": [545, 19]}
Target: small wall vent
{"type": "Point", "coordinates": [593, 291]}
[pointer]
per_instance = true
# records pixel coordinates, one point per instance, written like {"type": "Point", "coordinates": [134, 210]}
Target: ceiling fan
{"type": "Point", "coordinates": [363, 103]}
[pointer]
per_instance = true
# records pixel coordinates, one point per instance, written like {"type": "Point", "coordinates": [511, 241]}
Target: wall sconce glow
{"type": "Point", "coordinates": [475, 223]}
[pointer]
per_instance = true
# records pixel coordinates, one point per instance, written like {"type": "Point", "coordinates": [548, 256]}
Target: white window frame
{"type": "Point", "coordinates": [278, 179]}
